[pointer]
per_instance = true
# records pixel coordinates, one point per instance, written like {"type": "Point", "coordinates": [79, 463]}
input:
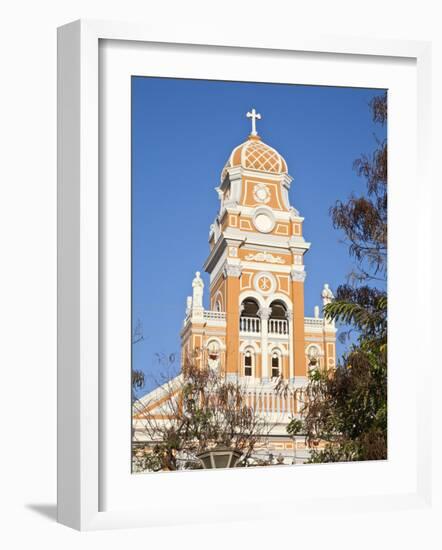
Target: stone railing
{"type": "Point", "coordinates": [251, 325]}
{"type": "Point", "coordinates": [313, 322]}
{"type": "Point", "coordinates": [269, 402]}
{"type": "Point", "coordinates": [278, 326]}
{"type": "Point", "coordinates": [214, 315]}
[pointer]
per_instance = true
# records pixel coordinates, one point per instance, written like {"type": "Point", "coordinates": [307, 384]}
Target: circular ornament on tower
{"type": "Point", "coordinates": [264, 220]}
{"type": "Point", "coordinates": [261, 193]}
{"type": "Point", "coordinates": [265, 283]}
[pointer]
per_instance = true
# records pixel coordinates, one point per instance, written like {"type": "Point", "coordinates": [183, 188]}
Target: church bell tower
{"type": "Point", "coordinates": [256, 328]}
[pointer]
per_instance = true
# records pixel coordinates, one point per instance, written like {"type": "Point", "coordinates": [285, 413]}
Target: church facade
{"type": "Point", "coordinates": [255, 329]}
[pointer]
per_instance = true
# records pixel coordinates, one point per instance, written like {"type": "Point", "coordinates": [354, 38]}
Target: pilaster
{"type": "Point", "coordinates": [232, 274]}
{"type": "Point", "coordinates": [298, 278]}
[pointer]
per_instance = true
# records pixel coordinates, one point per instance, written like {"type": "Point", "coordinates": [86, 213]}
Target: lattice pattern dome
{"type": "Point", "coordinates": [254, 154]}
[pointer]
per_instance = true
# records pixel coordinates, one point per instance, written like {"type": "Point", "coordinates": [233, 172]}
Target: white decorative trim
{"type": "Point", "coordinates": [264, 248]}
{"type": "Point", "coordinates": [317, 347]}
{"type": "Point", "coordinates": [280, 215]}
{"type": "Point", "coordinates": [265, 257]}
{"type": "Point", "coordinates": [282, 298]}
{"type": "Point", "coordinates": [261, 193]}
{"type": "Point", "coordinates": [277, 348]}
{"type": "Point", "coordinates": [268, 213]}
{"type": "Point", "coordinates": [252, 294]}
{"type": "Point", "coordinates": [265, 290]}
{"type": "Point", "coordinates": [297, 275]}
{"type": "Point", "coordinates": [210, 339]}
{"type": "Point", "coordinates": [218, 298]}
{"type": "Point", "coordinates": [274, 268]}
{"type": "Point", "coordinates": [232, 270]}
{"type": "Point", "coordinates": [264, 313]}
{"type": "Point", "coordinates": [264, 239]}
{"type": "Point", "coordinates": [249, 344]}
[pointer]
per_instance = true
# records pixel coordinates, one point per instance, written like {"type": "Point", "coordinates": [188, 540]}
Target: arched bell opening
{"type": "Point", "coordinates": [278, 323]}
{"type": "Point", "coordinates": [249, 320]}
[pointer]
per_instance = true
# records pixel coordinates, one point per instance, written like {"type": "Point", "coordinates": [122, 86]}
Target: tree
{"type": "Point", "coordinates": [346, 408]}
{"type": "Point", "coordinates": [198, 410]}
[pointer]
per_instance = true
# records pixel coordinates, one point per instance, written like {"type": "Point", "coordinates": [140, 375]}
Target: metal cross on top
{"type": "Point", "coordinates": [254, 116]}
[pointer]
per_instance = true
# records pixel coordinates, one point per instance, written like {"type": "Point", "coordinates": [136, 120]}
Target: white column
{"type": "Point", "coordinates": [264, 314]}
{"type": "Point", "coordinates": [289, 316]}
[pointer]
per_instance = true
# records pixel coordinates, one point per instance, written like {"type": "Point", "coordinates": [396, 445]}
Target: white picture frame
{"type": "Point", "coordinates": [80, 265]}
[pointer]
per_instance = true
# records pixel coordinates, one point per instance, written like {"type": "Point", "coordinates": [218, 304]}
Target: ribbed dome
{"type": "Point", "coordinates": [254, 154]}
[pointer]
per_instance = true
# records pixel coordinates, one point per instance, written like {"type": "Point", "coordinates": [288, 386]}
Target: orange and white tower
{"type": "Point", "coordinates": [256, 328]}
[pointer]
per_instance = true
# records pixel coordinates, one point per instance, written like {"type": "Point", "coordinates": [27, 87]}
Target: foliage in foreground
{"type": "Point", "coordinates": [200, 410]}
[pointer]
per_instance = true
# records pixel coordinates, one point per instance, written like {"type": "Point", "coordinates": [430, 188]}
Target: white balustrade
{"type": "Point", "coordinates": [215, 315]}
{"type": "Point", "coordinates": [250, 325]}
{"type": "Point", "coordinates": [270, 403]}
{"type": "Point", "coordinates": [313, 322]}
{"type": "Point", "coordinates": [278, 326]}
{"type": "Point", "coordinates": [253, 325]}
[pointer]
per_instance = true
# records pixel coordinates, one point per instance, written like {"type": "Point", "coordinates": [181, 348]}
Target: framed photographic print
{"type": "Point", "coordinates": [226, 255]}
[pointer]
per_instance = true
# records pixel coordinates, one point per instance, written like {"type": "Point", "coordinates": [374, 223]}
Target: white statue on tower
{"type": "Point", "coordinates": [198, 289]}
{"type": "Point", "coordinates": [195, 303]}
{"type": "Point", "coordinates": [327, 295]}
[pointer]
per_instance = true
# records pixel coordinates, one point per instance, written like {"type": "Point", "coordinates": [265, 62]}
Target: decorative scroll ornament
{"type": "Point", "coordinates": [261, 193]}
{"type": "Point", "coordinates": [265, 257]}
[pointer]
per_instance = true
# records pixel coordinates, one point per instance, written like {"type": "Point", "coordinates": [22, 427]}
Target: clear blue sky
{"type": "Point", "coordinates": [182, 134]}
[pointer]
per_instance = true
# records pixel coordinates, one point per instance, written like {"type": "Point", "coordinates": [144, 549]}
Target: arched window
{"type": "Point", "coordinates": [278, 323]}
{"type": "Point", "coordinates": [279, 310]}
{"type": "Point", "coordinates": [249, 308]}
{"type": "Point", "coordinates": [276, 364]}
{"type": "Point", "coordinates": [249, 320]}
{"type": "Point", "coordinates": [249, 361]}
{"type": "Point", "coordinates": [218, 306]}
